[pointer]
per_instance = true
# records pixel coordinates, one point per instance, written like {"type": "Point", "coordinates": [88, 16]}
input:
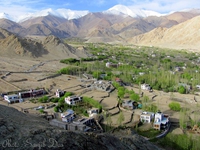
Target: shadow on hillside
{"type": "Point", "coordinates": [35, 49]}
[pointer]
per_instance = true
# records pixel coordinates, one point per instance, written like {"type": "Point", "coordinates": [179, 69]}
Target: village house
{"type": "Point", "coordinates": [141, 73]}
{"type": "Point", "coordinates": [147, 117]}
{"type": "Point", "coordinates": [57, 123]}
{"type": "Point", "coordinates": [68, 116]}
{"type": "Point", "coordinates": [198, 87]}
{"type": "Point", "coordinates": [161, 121]}
{"type": "Point", "coordinates": [60, 93]}
{"type": "Point", "coordinates": [129, 104]}
{"type": "Point", "coordinates": [79, 125]}
{"type": "Point", "coordinates": [145, 87]}
{"type": "Point", "coordinates": [93, 112]}
{"type": "Point", "coordinates": [73, 100]}
{"type": "Point", "coordinates": [12, 98]}
{"type": "Point", "coordinates": [110, 64]}
{"type": "Point", "coordinates": [85, 121]}
{"type": "Point", "coordinates": [32, 93]}
{"type": "Point", "coordinates": [102, 86]}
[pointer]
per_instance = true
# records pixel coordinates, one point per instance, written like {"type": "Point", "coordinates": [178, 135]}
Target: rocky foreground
{"type": "Point", "coordinates": [22, 131]}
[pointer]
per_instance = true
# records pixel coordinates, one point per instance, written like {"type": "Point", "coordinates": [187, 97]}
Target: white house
{"type": "Point", "coordinates": [146, 117]}
{"type": "Point", "coordinates": [141, 73]}
{"type": "Point", "coordinates": [73, 100]}
{"type": "Point", "coordinates": [198, 86]}
{"type": "Point", "coordinates": [93, 112]}
{"type": "Point", "coordinates": [145, 87]}
{"type": "Point", "coordinates": [12, 98]}
{"type": "Point", "coordinates": [68, 116]}
{"type": "Point", "coordinates": [161, 121]}
{"type": "Point", "coordinates": [110, 64]}
{"type": "Point", "coordinates": [60, 93]}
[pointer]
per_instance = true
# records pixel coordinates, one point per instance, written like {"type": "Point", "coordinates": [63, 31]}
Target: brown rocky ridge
{"type": "Point", "coordinates": [23, 131]}
{"type": "Point", "coordinates": [50, 47]}
{"type": "Point", "coordinates": [185, 35]}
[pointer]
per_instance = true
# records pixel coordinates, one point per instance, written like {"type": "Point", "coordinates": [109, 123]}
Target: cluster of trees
{"type": "Point", "coordinates": [122, 91]}
{"type": "Point", "coordinates": [72, 70]}
{"type": "Point", "coordinates": [91, 102]}
{"type": "Point", "coordinates": [70, 61]}
{"type": "Point", "coordinates": [43, 99]}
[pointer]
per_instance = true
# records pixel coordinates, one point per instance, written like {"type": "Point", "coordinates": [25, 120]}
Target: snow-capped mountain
{"type": "Point", "coordinates": [62, 13]}
{"type": "Point", "coordinates": [130, 11]}
{"type": "Point", "coordinates": [5, 16]}
{"type": "Point", "coordinates": [74, 14]}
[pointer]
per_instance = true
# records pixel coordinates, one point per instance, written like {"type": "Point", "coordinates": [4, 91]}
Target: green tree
{"type": "Point", "coordinates": [56, 109]}
{"type": "Point", "coordinates": [43, 99]}
{"type": "Point", "coordinates": [175, 106]}
{"type": "Point", "coordinates": [134, 97]}
{"type": "Point", "coordinates": [182, 90]}
{"type": "Point", "coordinates": [41, 111]}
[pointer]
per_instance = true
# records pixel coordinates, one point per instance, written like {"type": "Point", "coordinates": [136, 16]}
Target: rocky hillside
{"type": "Point", "coordinates": [49, 47]}
{"type": "Point", "coordinates": [185, 35]}
{"type": "Point", "coordinates": [22, 131]}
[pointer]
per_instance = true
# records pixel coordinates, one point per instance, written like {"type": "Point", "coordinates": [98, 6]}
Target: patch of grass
{"type": "Point", "coordinates": [150, 133]}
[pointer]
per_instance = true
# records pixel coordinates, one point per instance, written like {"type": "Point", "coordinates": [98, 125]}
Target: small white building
{"type": "Point", "coordinates": [147, 117]}
{"type": "Point", "coordinates": [60, 93]}
{"type": "Point", "coordinates": [198, 86]}
{"type": "Point", "coordinates": [93, 112]}
{"type": "Point", "coordinates": [12, 98]}
{"type": "Point", "coordinates": [73, 100]}
{"type": "Point", "coordinates": [161, 121]}
{"type": "Point", "coordinates": [110, 64]}
{"type": "Point", "coordinates": [145, 87]}
{"type": "Point", "coordinates": [141, 73]}
{"type": "Point", "coordinates": [68, 116]}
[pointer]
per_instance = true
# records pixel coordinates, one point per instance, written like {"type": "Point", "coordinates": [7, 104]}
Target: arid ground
{"type": "Point", "coordinates": [18, 74]}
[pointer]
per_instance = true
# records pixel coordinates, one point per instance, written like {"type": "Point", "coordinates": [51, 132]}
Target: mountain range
{"type": "Point", "coordinates": [119, 24]}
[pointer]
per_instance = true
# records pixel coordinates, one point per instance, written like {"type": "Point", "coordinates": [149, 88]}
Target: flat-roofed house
{"type": "Point", "coordinates": [73, 100]}
{"type": "Point", "coordinates": [145, 87]}
{"type": "Point", "coordinates": [12, 98]}
{"type": "Point", "coordinates": [129, 104]}
{"type": "Point", "coordinates": [60, 93]}
{"type": "Point", "coordinates": [146, 117]}
{"type": "Point", "coordinates": [161, 121]}
{"type": "Point", "coordinates": [68, 116]}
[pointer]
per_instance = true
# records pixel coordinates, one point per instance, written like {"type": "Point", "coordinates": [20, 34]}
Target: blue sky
{"type": "Point", "coordinates": [19, 7]}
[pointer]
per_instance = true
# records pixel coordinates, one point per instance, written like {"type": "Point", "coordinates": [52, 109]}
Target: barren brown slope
{"type": "Point", "coordinates": [59, 50]}
{"type": "Point", "coordinates": [51, 21]}
{"type": "Point", "coordinates": [14, 46]}
{"type": "Point", "coordinates": [180, 17]}
{"type": "Point", "coordinates": [50, 47]}
{"type": "Point", "coordinates": [162, 21]}
{"type": "Point", "coordinates": [43, 26]}
{"type": "Point", "coordinates": [43, 30]}
{"type": "Point", "coordinates": [23, 131]}
{"type": "Point", "coordinates": [10, 26]}
{"type": "Point", "coordinates": [185, 35]}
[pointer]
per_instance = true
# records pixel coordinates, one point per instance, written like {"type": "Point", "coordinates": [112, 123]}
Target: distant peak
{"type": "Point", "coordinates": [131, 11]}
{"type": "Point", "coordinates": [5, 16]}
{"type": "Point", "coordinates": [62, 13]}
